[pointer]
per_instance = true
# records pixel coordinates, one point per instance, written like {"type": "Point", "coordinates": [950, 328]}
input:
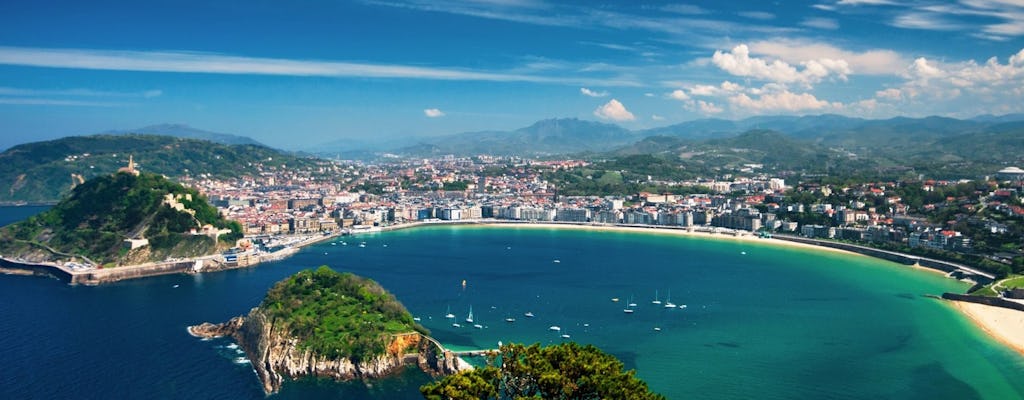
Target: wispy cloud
{"type": "Point", "coordinates": [215, 63]}
{"type": "Point", "coordinates": [11, 91]}
{"type": "Point", "coordinates": [759, 15]}
{"type": "Point", "coordinates": [820, 23]}
{"type": "Point", "coordinates": [592, 93]}
{"type": "Point", "coordinates": [433, 113]}
{"type": "Point", "coordinates": [57, 102]}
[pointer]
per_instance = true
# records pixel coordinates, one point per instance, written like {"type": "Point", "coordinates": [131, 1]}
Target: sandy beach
{"type": "Point", "coordinates": [1003, 324]}
{"type": "Point", "coordinates": [742, 237]}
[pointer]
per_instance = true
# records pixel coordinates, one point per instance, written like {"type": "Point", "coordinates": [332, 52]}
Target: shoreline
{"type": "Point", "coordinates": [1003, 325]}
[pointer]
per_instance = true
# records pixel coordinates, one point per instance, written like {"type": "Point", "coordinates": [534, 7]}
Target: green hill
{"type": "Point", "coordinates": [101, 213]}
{"type": "Point", "coordinates": [337, 315]}
{"type": "Point", "coordinates": [46, 171]}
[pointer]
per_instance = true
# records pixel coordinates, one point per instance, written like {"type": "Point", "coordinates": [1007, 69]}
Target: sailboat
{"type": "Point", "coordinates": [629, 307]}
{"type": "Point", "coordinates": [668, 301]}
{"type": "Point", "coordinates": [449, 315]}
{"type": "Point", "coordinates": [656, 301]}
{"type": "Point", "coordinates": [469, 319]}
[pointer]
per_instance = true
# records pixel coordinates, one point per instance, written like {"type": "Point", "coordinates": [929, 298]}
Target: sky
{"type": "Point", "coordinates": [298, 74]}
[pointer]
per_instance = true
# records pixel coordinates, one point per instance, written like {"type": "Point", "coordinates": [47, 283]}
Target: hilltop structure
{"type": "Point", "coordinates": [130, 168]}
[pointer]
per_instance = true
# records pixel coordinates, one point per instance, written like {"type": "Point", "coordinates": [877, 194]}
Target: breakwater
{"type": "Point", "coordinates": [986, 300]}
{"type": "Point", "coordinates": [907, 259]}
{"type": "Point", "coordinates": [98, 276]}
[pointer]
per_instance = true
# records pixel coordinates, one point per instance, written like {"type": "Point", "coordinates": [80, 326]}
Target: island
{"type": "Point", "coordinates": [322, 323]}
{"type": "Point", "coordinates": [128, 218]}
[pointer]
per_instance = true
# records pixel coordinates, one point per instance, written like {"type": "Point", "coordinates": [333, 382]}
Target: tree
{"type": "Point", "coordinates": [564, 371]}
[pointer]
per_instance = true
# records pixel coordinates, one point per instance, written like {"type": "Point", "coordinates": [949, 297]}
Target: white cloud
{"type": "Point", "coordinates": [990, 83]}
{"type": "Point", "coordinates": [871, 62]}
{"type": "Point", "coordinates": [57, 102]}
{"type": "Point", "coordinates": [759, 15]}
{"type": "Point", "coordinates": [780, 102]}
{"type": "Point", "coordinates": [591, 93]}
{"type": "Point", "coordinates": [648, 94]}
{"type": "Point", "coordinates": [615, 111]}
{"type": "Point", "coordinates": [921, 69]}
{"type": "Point", "coordinates": [864, 2]}
{"type": "Point", "coordinates": [678, 94]}
{"type": "Point", "coordinates": [925, 21]}
{"type": "Point", "coordinates": [433, 113]}
{"type": "Point", "coordinates": [738, 62]}
{"type": "Point", "coordinates": [706, 107]}
{"type": "Point", "coordinates": [10, 91]}
{"type": "Point", "coordinates": [213, 63]}
{"type": "Point", "coordinates": [657, 117]}
{"type": "Point", "coordinates": [704, 90]}
{"type": "Point", "coordinates": [889, 94]}
{"type": "Point", "coordinates": [820, 23]}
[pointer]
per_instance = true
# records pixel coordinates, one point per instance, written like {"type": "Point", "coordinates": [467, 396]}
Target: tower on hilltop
{"type": "Point", "coordinates": [130, 168]}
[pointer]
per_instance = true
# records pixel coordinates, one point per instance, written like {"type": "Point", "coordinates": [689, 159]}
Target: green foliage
{"type": "Point", "coordinates": [563, 371]}
{"type": "Point", "coordinates": [102, 212]}
{"type": "Point", "coordinates": [43, 171]}
{"type": "Point", "coordinates": [337, 314]}
{"type": "Point", "coordinates": [456, 186]}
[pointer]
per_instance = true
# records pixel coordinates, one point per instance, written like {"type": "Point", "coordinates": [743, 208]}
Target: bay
{"type": "Point", "coordinates": [761, 321]}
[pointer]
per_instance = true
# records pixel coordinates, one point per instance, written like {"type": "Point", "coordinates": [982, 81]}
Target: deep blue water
{"type": "Point", "coordinates": [761, 321]}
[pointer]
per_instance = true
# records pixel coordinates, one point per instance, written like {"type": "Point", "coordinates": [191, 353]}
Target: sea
{"type": "Point", "coordinates": [761, 321]}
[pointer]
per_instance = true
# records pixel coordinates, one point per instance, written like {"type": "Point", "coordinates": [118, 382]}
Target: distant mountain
{"type": "Point", "coordinates": [550, 136]}
{"type": "Point", "coordinates": [188, 132]}
{"type": "Point", "coordinates": [45, 171]}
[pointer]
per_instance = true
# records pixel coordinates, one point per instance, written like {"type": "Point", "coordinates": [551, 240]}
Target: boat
{"type": "Point", "coordinates": [668, 301]}
{"type": "Point", "coordinates": [449, 315]}
{"type": "Point", "coordinates": [363, 244]}
{"type": "Point", "coordinates": [457, 325]}
{"type": "Point", "coordinates": [627, 310]}
{"type": "Point", "coordinates": [470, 317]}
{"type": "Point", "coordinates": [529, 314]}
{"type": "Point", "coordinates": [176, 285]}
{"type": "Point", "coordinates": [656, 329]}
{"type": "Point", "coordinates": [557, 261]}
{"type": "Point", "coordinates": [615, 299]}
{"type": "Point", "coordinates": [566, 336]}
{"type": "Point", "coordinates": [629, 307]}
{"type": "Point", "coordinates": [417, 319]}
{"type": "Point", "coordinates": [655, 301]}
{"type": "Point", "coordinates": [555, 328]}
{"type": "Point", "coordinates": [478, 326]}
{"type": "Point", "coordinates": [510, 319]}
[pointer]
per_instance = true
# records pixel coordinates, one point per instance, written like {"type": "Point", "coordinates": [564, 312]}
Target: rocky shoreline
{"type": "Point", "coordinates": [277, 358]}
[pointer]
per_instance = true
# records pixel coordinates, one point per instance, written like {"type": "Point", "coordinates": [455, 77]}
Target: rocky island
{"type": "Point", "coordinates": [321, 323]}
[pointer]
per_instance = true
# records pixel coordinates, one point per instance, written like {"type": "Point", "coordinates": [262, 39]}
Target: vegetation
{"type": "Point", "coordinates": [46, 171]}
{"type": "Point", "coordinates": [102, 212]}
{"type": "Point", "coordinates": [337, 314]}
{"type": "Point", "coordinates": [564, 371]}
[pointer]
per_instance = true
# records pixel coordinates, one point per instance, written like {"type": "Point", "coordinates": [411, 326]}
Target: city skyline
{"type": "Point", "coordinates": [300, 75]}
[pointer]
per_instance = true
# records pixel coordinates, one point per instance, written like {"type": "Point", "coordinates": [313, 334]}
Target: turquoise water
{"type": "Point", "coordinates": [762, 321]}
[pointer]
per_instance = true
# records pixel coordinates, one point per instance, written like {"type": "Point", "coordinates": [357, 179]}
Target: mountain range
{"type": "Point", "coordinates": [187, 132]}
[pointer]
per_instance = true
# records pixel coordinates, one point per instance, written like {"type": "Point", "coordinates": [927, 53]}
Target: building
{"type": "Point", "coordinates": [1010, 174]}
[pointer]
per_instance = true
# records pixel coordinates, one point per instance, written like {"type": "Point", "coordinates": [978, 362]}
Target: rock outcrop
{"type": "Point", "coordinates": [277, 357]}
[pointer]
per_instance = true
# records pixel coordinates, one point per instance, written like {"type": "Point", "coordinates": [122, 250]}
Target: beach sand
{"type": "Point", "coordinates": [743, 237]}
{"type": "Point", "coordinates": [1003, 324]}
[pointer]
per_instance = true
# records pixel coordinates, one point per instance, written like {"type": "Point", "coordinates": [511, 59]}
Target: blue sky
{"type": "Point", "coordinates": [300, 73]}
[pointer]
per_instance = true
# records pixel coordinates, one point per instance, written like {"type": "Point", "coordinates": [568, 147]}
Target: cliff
{"type": "Point", "coordinates": [279, 352]}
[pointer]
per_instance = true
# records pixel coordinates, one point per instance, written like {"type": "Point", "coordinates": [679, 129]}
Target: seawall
{"type": "Point", "coordinates": [988, 301]}
{"type": "Point", "coordinates": [906, 259]}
